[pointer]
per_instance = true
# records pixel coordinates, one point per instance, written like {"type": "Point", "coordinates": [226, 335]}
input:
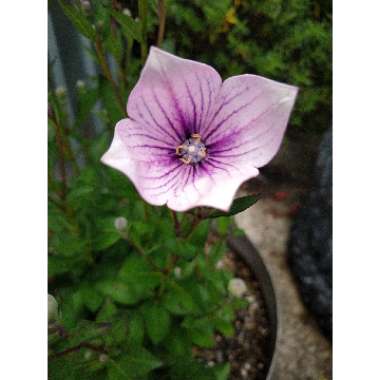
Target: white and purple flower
{"type": "Point", "coordinates": [190, 139]}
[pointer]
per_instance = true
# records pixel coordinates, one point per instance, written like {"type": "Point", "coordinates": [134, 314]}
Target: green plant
{"type": "Point", "coordinates": [137, 286]}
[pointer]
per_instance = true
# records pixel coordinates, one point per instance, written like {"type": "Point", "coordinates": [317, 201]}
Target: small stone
{"type": "Point", "coordinates": [244, 372]}
{"type": "Point", "coordinates": [211, 363]}
{"type": "Point", "coordinates": [247, 366]}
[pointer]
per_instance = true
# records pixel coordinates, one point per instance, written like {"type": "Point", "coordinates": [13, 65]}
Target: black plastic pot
{"type": "Point", "coordinates": [244, 248]}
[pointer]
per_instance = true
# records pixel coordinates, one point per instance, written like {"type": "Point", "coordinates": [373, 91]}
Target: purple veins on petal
{"type": "Point", "coordinates": [252, 149]}
{"type": "Point", "coordinates": [202, 104]}
{"type": "Point", "coordinates": [174, 99]}
{"type": "Point", "coordinates": [234, 112]}
{"type": "Point", "coordinates": [163, 175]}
{"type": "Point", "coordinates": [157, 127]}
{"type": "Point", "coordinates": [189, 170]}
{"type": "Point", "coordinates": [223, 104]}
{"type": "Point", "coordinates": [238, 130]}
{"type": "Point", "coordinates": [149, 146]}
{"type": "Point", "coordinates": [194, 123]}
{"type": "Point", "coordinates": [132, 134]}
{"type": "Point", "coordinates": [223, 163]}
{"type": "Point", "coordinates": [174, 129]}
{"type": "Point", "coordinates": [209, 162]}
{"type": "Point", "coordinates": [237, 137]}
{"type": "Point", "coordinates": [172, 176]}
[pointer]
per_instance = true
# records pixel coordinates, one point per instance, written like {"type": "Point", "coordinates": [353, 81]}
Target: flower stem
{"type": "Point", "coordinates": [162, 20]}
{"type": "Point", "coordinates": [177, 225]}
{"type": "Point", "coordinates": [107, 73]}
{"type": "Point", "coordinates": [143, 15]}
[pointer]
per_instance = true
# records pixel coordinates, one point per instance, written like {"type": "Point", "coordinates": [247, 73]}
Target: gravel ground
{"type": "Point", "coordinates": [248, 350]}
{"type": "Point", "coordinates": [302, 352]}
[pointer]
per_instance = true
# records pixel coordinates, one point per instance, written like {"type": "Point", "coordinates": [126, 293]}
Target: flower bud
{"type": "Point", "coordinates": [127, 12]}
{"type": "Point", "coordinates": [88, 354]}
{"type": "Point", "coordinates": [52, 308]}
{"type": "Point", "coordinates": [85, 4]}
{"type": "Point", "coordinates": [177, 272]}
{"type": "Point", "coordinates": [237, 287]}
{"type": "Point", "coordinates": [60, 91]}
{"type": "Point", "coordinates": [121, 223]}
{"type": "Point", "coordinates": [80, 84]}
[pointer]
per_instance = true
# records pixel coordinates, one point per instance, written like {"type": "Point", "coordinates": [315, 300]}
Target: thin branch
{"type": "Point", "coordinates": [63, 143]}
{"type": "Point", "coordinates": [78, 347]}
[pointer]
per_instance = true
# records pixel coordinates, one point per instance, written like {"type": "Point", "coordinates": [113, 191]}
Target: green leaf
{"type": "Point", "coordinates": [117, 334]}
{"type": "Point", "coordinates": [119, 292]}
{"type": "Point", "coordinates": [239, 205]}
{"type": "Point", "coordinates": [187, 368]}
{"type": "Point", "coordinates": [74, 367]}
{"type": "Point", "coordinates": [178, 343]}
{"type": "Point", "coordinates": [91, 298]}
{"type": "Point", "coordinates": [203, 338]}
{"type": "Point", "coordinates": [225, 327]}
{"type": "Point", "coordinates": [106, 234]}
{"type": "Point", "coordinates": [137, 272]}
{"type": "Point", "coordinates": [129, 26]}
{"type": "Point", "coordinates": [157, 321]}
{"type": "Point", "coordinates": [138, 362]}
{"type": "Point", "coordinates": [78, 19]}
{"type": "Point", "coordinates": [135, 327]}
{"type": "Point", "coordinates": [59, 265]}
{"type": "Point", "coordinates": [179, 301]}
{"type": "Point", "coordinates": [107, 311]}
{"type": "Point", "coordinates": [222, 371]}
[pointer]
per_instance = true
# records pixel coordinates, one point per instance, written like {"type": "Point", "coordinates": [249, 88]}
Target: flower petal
{"type": "Point", "coordinates": [211, 184]}
{"type": "Point", "coordinates": [151, 164]}
{"type": "Point", "coordinates": [173, 96]}
{"type": "Point", "coordinates": [249, 120]}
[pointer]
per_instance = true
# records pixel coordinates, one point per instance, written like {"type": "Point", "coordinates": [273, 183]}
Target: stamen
{"type": "Point", "coordinates": [192, 150]}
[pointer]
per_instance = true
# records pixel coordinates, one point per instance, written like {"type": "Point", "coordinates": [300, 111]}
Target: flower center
{"type": "Point", "coordinates": [192, 150]}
